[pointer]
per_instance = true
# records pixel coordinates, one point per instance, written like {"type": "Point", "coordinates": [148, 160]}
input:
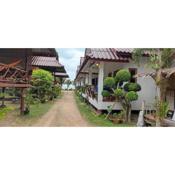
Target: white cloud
{"type": "Point", "coordinates": [70, 58]}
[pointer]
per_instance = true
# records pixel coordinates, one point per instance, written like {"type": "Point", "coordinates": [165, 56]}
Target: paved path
{"type": "Point", "coordinates": [63, 113]}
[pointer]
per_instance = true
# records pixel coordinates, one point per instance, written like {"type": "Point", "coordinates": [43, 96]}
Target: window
{"type": "Point", "coordinates": [114, 73]}
{"type": "Point", "coordinates": [110, 74]}
{"type": "Point", "coordinates": [133, 72]}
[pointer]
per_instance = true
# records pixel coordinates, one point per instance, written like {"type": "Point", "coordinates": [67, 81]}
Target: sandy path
{"type": "Point", "coordinates": [63, 113]}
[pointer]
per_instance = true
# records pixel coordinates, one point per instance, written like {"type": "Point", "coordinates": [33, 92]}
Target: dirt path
{"type": "Point", "coordinates": [63, 113]}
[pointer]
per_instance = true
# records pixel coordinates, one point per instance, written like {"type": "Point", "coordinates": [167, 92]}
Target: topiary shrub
{"type": "Point", "coordinates": [123, 93]}
{"type": "Point", "coordinates": [132, 87]}
{"type": "Point", "coordinates": [106, 93]}
{"type": "Point", "coordinates": [123, 75]}
{"type": "Point", "coordinates": [131, 96]}
{"type": "Point", "coordinates": [119, 92]}
{"type": "Point", "coordinates": [109, 82]}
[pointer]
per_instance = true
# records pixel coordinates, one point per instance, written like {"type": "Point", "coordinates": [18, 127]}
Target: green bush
{"type": "Point", "coordinates": [132, 87]}
{"type": "Point", "coordinates": [4, 111]}
{"type": "Point", "coordinates": [109, 82]}
{"type": "Point", "coordinates": [56, 90]}
{"type": "Point", "coordinates": [119, 92]}
{"type": "Point", "coordinates": [105, 93]}
{"type": "Point", "coordinates": [161, 109]}
{"type": "Point", "coordinates": [123, 75]}
{"type": "Point", "coordinates": [131, 96]}
{"type": "Point", "coordinates": [42, 82]}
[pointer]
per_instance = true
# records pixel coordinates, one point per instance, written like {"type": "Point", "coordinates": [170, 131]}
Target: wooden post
{"type": "Point", "coordinates": [22, 107]}
{"type": "Point", "coordinates": [90, 76]}
{"type": "Point", "coordinates": [3, 97]}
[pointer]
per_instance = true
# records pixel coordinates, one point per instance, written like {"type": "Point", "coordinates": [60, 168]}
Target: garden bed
{"type": "Point", "coordinates": [97, 120]}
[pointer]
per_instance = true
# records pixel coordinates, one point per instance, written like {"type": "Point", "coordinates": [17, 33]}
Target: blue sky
{"type": "Point", "coordinates": [70, 58]}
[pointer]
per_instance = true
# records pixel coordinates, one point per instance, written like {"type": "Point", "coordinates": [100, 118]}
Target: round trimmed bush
{"type": "Point", "coordinates": [132, 87]}
{"type": "Point", "coordinates": [119, 92]}
{"type": "Point", "coordinates": [105, 93]}
{"type": "Point", "coordinates": [131, 96]}
{"type": "Point", "coordinates": [109, 82]}
{"type": "Point", "coordinates": [123, 75]}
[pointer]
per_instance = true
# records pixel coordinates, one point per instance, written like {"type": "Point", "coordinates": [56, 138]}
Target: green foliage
{"type": "Point", "coordinates": [106, 93]}
{"type": "Point", "coordinates": [42, 82]}
{"type": "Point", "coordinates": [167, 55]}
{"type": "Point", "coordinates": [123, 75]}
{"type": "Point", "coordinates": [131, 96]}
{"type": "Point", "coordinates": [56, 90]}
{"type": "Point", "coordinates": [109, 109]}
{"type": "Point", "coordinates": [68, 82]}
{"type": "Point", "coordinates": [109, 82]}
{"type": "Point", "coordinates": [4, 111]}
{"type": "Point", "coordinates": [125, 94]}
{"type": "Point", "coordinates": [120, 115]}
{"type": "Point", "coordinates": [161, 109]}
{"type": "Point", "coordinates": [119, 92]}
{"type": "Point", "coordinates": [132, 87]}
{"type": "Point", "coordinates": [95, 120]}
{"type": "Point", "coordinates": [158, 58]}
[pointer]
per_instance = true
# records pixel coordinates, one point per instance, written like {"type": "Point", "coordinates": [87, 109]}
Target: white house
{"type": "Point", "coordinates": [99, 63]}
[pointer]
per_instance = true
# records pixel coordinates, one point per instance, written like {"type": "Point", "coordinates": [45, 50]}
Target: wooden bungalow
{"type": "Point", "coordinates": [99, 63]}
{"type": "Point", "coordinates": [16, 67]}
{"type": "Point", "coordinates": [48, 59]}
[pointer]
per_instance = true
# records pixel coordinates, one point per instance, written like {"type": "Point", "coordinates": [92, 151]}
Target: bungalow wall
{"type": "Point", "coordinates": [147, 94]}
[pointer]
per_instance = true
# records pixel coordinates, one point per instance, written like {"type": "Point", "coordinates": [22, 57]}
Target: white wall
{"type": "Point", "coordinates": [147, 93]}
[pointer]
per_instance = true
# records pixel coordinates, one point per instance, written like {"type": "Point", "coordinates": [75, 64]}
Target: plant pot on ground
{"type": "Point", "coordinates": [117, 118]}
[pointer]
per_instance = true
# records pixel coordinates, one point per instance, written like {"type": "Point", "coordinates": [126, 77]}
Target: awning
{"type": "Point", "coordinates": [61, 75]}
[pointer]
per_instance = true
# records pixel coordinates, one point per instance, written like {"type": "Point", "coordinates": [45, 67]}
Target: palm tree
{"type": "Point", "coordinates": [68, 82]}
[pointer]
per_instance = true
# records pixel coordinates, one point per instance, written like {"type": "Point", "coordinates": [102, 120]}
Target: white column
{"type": "Point", "coordinates": [86, 79]}
{"type": "Point", "coordinates": [100, 81]}
{"type": "Point", "coordinates": [90, 76]}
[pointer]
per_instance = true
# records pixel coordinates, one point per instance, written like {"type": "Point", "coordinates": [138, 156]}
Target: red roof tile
{"type": "Point", "coordinates": [105, 54]}
{"type": "Point", "coordinates": [45, 61]}
{"type": "Point", "coordinates": [108, 54]}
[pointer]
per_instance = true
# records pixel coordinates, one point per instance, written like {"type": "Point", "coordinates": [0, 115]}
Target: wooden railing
{"type": "Point", "coordinates": [10, 73]}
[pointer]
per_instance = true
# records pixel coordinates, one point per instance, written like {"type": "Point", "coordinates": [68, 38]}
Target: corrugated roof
{"type": "Point", "coordinates": [45, 61]}
{"type": "Point", "coordinates": [105, 54]}
{"type": "Point", "coordinates": [109, 54]}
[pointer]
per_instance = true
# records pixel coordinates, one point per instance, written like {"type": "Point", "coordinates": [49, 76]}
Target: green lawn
{"type": "Point", "coordinates": [11, 114]}
{"type": "Point", "coordinates": [36, 111]}
{"type": "Point", "coordinates": [97, 120]}
{"type": "Point", "coordinates": [5, 111]}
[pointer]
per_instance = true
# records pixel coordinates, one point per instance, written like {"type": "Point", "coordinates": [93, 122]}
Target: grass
{"type": "Point", "coordinates": [36, 111]}
{"type": "Point", "coordinates": [97, 120]}
{"type": "Point", "coordinates": [4, 111]}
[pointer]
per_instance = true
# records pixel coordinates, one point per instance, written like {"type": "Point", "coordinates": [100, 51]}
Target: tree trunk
{"type": "Point", "coordinates": [129, 113]}
{"type": "Point", "coordinates": [161, 83]}
{"type": "Point", "coordinates": [22, 107]}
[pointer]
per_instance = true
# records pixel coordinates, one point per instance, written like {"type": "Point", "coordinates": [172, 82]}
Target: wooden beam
{"type": "Point", "coordinates": [13, 85]}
